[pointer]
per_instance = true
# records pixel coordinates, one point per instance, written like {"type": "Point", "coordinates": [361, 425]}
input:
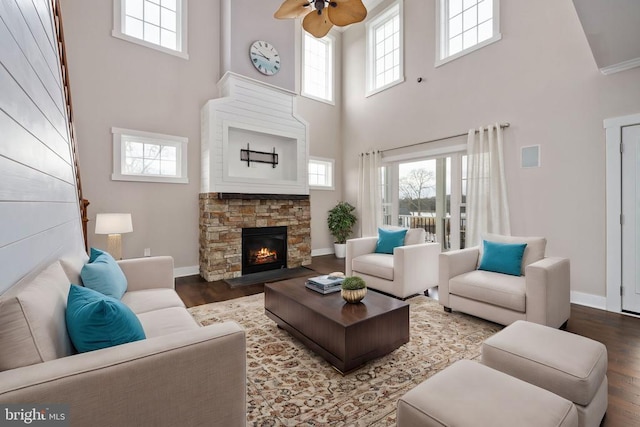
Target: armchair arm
{"type": "Point", "coordinates": [452, 264]}
{"type": "Point", "coordinates": [548, 291]}
{"type": "Point", "coordinates": [194, 378]}
{"type": "Point", "coordinates": [148, 273]}
{"type": "Point", "coordinates": [416, 266]}
{"type": "Point", "coordinates": [357, 247]}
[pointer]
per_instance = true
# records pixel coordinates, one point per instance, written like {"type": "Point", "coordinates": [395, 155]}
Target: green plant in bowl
{"type": "Point", "coordinates": [353, 289]}
{"type": "Point", "coordinates": [353, 283]}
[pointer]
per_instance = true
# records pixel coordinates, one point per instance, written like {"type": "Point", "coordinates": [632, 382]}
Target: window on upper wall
{"type": "Point", "coordinates": [317, 67]}
{"type": "Point", "coordinates": [464, 26]}
{"type": "Point", "coordinates": [146, 156]}
{"type": "Point", "coordinates": [321, 173]}
{"type": "Point", "coordinates": [385, 49]}
{"type": "Point", "coordinates": [158, 24]}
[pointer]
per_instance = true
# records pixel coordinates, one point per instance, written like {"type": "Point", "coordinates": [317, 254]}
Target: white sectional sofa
{"type": "Point", "coordinates": [181, 374]}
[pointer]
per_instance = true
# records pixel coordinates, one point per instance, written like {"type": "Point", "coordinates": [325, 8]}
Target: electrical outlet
{"type": "Point", "coordinates": [147, 251]}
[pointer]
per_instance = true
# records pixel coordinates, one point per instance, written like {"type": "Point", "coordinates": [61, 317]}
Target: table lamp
{"type": "Point", "coordinates": [114, 224]}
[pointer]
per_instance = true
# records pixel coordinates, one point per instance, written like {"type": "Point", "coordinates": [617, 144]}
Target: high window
{"type": "Point", "coordinates": [145, 156]}
{"type": "Point", "coordinates": [465, 26]}
{"type": "Point", "coordinates": [321, 173]}
{"type": "Point", "coordinates": [385, 49]}
{"type": "Point", "coordinates": [317, 67]}
{"type": "Point", "coordinates": [158, 24]}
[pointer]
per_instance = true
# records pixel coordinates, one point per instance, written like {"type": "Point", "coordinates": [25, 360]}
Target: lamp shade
{"type": "Point", "coordinates": [113, 223]}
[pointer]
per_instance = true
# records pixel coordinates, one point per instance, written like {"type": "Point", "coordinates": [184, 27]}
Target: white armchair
{"type": "Point", "coordinates": [411, 269]}
{"type": "Point", "coordinates": [540, 295]}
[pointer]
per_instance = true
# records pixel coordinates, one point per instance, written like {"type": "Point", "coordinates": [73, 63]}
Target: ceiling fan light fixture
{"type": "Point", "coordinates": [329, 13]}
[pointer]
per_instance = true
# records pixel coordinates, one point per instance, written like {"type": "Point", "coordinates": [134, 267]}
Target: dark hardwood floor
{"type": "Point", "coordinates": [620, 333]}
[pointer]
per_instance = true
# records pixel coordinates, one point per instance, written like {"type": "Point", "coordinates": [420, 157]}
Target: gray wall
{"type": "Point", "coordinates": [246, 21]}
{"type": "Point", "coordinates": [39, 216]}
{"type": "Point", "coordinates": [325, 126]}
{"type": "Point", "coordinates": [542, 78]}
{"type": "Point", "coordinates": [122, 84]}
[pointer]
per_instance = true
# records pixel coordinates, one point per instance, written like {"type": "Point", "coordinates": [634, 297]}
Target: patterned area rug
{"type": "Point", "coordinates": [288, 385]}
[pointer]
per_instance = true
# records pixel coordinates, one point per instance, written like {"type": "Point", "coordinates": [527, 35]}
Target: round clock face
{"type": "Point", "coordinates": [264, 57]}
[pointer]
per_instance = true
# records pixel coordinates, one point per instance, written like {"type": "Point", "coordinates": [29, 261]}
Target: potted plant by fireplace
{"type": "Point", "coordinates": [340, 221]}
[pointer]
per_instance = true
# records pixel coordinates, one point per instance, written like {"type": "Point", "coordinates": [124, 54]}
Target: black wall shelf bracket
{"type": "Point", "coordinates": [249, 156]}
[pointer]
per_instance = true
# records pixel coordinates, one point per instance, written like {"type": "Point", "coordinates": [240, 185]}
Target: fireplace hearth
{"type": "Point", "coordinates": [263, 249]}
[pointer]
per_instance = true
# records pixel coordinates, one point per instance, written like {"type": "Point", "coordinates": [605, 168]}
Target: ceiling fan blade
{"type": "Point", "coordinates": [347, 12]}
{"type": "Point", "coordinates": [292, 9]}
{"type": "Point", "coordinates": [317, 25]}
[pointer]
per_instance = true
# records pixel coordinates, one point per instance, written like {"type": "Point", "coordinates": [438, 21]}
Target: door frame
{"type": "Point", "coordinates": [613, 128]}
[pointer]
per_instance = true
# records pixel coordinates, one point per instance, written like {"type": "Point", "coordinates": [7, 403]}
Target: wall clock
{"type": "Point", "coordinates": [264, 57]}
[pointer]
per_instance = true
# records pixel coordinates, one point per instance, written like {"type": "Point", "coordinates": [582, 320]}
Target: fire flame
{"type": "Point", "coordinates": [264, 255]}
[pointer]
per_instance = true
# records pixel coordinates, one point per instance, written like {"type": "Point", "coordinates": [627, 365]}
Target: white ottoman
{"type": "Point", "coordinates": [566, 364]}
{"type": "Point", "coordinates": [469, 394]}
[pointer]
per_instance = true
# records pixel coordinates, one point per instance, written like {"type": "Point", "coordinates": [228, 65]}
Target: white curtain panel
{"type": "Point", "coordinates": [487, 206]}
{"type": "Point", "coordinates": [369, 198]}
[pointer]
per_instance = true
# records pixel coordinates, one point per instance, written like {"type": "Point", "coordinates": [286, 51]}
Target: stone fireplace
{"type": "Point", "coordinates": [254, 174]}
{"type": "Point", "coordinates": [223, 219]}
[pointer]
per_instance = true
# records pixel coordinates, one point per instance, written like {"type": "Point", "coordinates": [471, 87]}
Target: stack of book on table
{"type": "Point", "coordinates": [324, 284]}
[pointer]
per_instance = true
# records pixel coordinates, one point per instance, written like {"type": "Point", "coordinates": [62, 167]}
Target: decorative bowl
{"type": "Point", "coordinates": [353, 296]}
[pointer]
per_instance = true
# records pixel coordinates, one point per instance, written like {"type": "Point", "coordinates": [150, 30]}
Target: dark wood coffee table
{"type": "Point", "coordinates": [346, 335]}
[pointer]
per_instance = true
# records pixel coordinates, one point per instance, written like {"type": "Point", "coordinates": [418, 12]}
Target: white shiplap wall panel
{"type": "Point", "coordinates": [32, 19]}
{"type": "Point", "coordinates": [39, 210]}
{"type": "Point", "coordinates": [20, 68]}
{"type": "Point", "coordinates": [35, 252]}
{"type": "Point", "coordinates": [19, 182]}
{"type": "Point", "coordinates": [268, 114]}
{"type": "Point", "coordinates": [31, 152]}
{"type": "Point", "coordinates": [254, 117]}
{"type": "Point", "coordinates": [16, 103]}
{"type": "Point", "coordinates": [21, 220]}
{"type": "Point", "coordinates": [42, 6]}
{"type": "Point", "coordinates": [10, 15]}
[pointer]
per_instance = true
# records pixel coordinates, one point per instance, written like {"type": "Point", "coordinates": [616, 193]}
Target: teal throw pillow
{"type": "Point", "coordinates": [96, 321]}
{"type": "Point", "coordinates": [389, 239]}
{"type": "Point", "coordinates": [103, 274]}
{"type": "Point", "coordinates": [503, 258]}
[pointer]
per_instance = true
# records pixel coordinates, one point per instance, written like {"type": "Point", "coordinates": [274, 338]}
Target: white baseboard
{"type": "Point", "coordinates": [589, 300]}
{"type": "Point", "coordinates": [186, 271]}
{"type": "Point", "coordinates": [322, 251]}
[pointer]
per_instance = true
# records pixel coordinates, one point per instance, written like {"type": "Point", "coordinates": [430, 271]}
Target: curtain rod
{"type": "Point", "coordinates": [502, 125]}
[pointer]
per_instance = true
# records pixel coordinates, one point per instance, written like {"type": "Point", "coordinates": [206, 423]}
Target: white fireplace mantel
{"type": "Point", "coordinates": [263, 116]}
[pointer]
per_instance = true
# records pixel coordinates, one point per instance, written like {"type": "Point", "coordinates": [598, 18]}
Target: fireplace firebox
{"type": "Point", "coordinates": [263, 248]}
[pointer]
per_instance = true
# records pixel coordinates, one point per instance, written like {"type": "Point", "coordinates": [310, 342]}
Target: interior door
{"type": "Point", "coordinates": [631, 219]}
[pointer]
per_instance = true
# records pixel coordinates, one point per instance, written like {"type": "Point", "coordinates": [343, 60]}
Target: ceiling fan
{"type": "Point", "coordinates": [321, 15]}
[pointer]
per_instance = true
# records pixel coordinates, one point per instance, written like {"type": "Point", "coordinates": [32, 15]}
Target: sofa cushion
{"type": "Point", "coordinates": [415, 236]}
{"type": "Point", "coordinates": [72, 265]}
{"type": "Point", "coordinates": [167, 321]}
{"type": "Point", "coordinates": [532, 253]}
{"type": "Point", "coordinates": [378, 265]}
{"type": "Point", "coordinates": [493, 288]}
{"type": "Point", "coordinates": [151, 299]}
{"type": "Point", "coordinates": [505, 258]}
{"type": "Point", "coordinates": [389, 239]}
{"type": "Point", "coordinates": [96, 321]}
{"type": "Point", "coordinates": [103, 274]}
{"type": "Point", "coordinates": [32, 325]}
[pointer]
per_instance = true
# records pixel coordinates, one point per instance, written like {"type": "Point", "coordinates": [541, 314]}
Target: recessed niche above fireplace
{"type": "Point", "coordinates": [263, 116]}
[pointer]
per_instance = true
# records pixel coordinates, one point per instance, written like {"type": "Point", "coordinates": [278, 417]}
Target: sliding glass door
{"type": "Point", "coordinates": [427, 193]}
